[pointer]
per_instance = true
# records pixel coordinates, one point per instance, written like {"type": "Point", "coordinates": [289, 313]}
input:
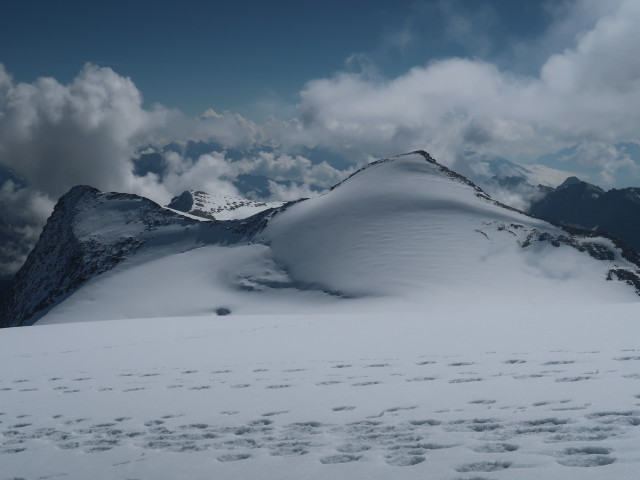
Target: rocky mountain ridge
{"type": "Point", "coordinates": [583, 205]}
{"type": "Point", "coordinates": [213, 206]}
{"type": "Point", "coordinates": [394, 217]}
{"type": "Point", "coordinates": [89, 233]}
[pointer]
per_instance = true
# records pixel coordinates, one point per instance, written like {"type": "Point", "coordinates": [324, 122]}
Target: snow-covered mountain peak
{"type": "Point", "coordinates": [400, 234]}
{"type": "Point", "coordinates": [90, 232]}
{"type": "Point", "coordinates": [573, 180]}
{"type": "Point", "coordinates": [214, 206]}
{"type": "Point", "coordinates": [419, 163]}
{"type": "Point", "coordinates": [413, 229]}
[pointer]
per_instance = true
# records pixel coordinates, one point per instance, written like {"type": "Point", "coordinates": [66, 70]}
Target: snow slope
{"type": "Point", "coordinates": [409, 229]}
{"type": "Point", "coordinates": [91, 232]}
{"type": "Point", "coordinates": [403, 325]}
{"type": "Point", "coordinates": [547, 393]}
{"type": "Point", "coordinates": [400, 235]}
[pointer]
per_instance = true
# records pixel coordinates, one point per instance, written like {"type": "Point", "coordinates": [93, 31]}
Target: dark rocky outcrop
{"type": "Point", "coordinates": [77, 244]}
{"type": "Point", "coordinates": [581, 204]}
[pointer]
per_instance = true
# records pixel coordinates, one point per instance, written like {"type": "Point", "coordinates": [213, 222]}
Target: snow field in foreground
{"type": "Point", "coordinates": [500, 395]}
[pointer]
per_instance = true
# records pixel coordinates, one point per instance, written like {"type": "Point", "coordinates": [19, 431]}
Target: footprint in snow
{"type": "Point", "coordinates": [495, 448]}
{"type": "Point", "coordinates": [343, 408]}
{"type": "Point", "coordinates": [404, 460]}
{"type": "Point", "coordinates": [586, 457]}
{"type": "Point", "coordinates": [466, 380]}
{"type": "Point", "coordinates": [429, 421]}
{"type": "Point", "coordinates": [577, 378]}
{"type": "Point", "coordinates": [289, 449]}
{"type": "Point", "coordinates": [353, 448]}
{"type": "Point", "coordinates": [271, 414]}
{"type": "Point", "coordinates": [482, 402]}
{"type": "Point", "coordinates": [421, 379]}
{"type": "Point", "coordinates": [483, 467]}
{"type": "Point", "coordinates": [233, 457]}
{"type": "Point", "coordinates": [343, 458]}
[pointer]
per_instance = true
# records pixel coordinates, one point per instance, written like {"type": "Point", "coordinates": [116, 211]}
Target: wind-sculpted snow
{"type": "Point", "coordinates": [412, 229]}
{"type": "Point", "coordinates": [401, 234]}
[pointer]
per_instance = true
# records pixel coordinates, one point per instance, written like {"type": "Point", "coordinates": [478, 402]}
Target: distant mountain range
{"type": "Point", "coordinates": [213, 206]}
{"type": "Point", "coordinates": [572, 202]}
{"type": "Point", "coordinates": [404, 233]}
{"type": "Point", "coordinates": [580, 204]}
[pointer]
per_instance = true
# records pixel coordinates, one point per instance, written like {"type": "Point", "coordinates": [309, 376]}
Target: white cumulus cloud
{"type": "Point", "coordinates": [589, 92]}
{"type": "Point", "coordinates": [54, 136]}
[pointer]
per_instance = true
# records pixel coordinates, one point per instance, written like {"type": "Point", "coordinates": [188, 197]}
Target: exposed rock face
{"type": "Point", "coordinates": [88, 233]}
{"type": "Point", "coordinates": [581, 204]}
{"type": "Point", "coordinates": [218, 207]}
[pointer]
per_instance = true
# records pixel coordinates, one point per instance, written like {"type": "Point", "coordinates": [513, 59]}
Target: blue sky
{"type": "Point", "coordinates": [244, 55]}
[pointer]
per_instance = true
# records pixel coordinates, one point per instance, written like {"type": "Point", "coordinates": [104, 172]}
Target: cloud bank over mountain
{"type": "Point", "coordinates": [587, 92]}
{"type": "Point", "coordinates": [91, 131]}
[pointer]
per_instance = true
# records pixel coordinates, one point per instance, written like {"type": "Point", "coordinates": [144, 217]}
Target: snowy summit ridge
{"type": "Point", "coordinates": [90, 232]}
{"type": "Point", "coordinates": [400, 234]}
{"type": "Point", "coordinates": [213, 206]}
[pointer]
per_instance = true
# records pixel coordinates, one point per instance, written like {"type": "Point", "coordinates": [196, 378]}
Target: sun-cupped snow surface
{"type": "Point", "coordinates": [538, 393]}
{"type": "Point", "coordinates": [215, 206]}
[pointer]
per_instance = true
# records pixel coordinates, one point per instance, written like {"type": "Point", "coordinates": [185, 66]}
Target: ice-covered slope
{"type": "Point", "coordinates": [214, 206]}
{"type": "Point", "coordinates": [401, 234]}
